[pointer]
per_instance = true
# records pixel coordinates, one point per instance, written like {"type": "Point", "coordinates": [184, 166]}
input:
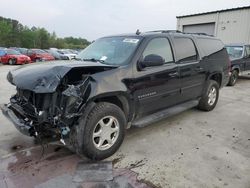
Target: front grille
{"type": "Point", "coordinates": [36, 100]}
{"type": "Point", "coordinates": [32, 102]}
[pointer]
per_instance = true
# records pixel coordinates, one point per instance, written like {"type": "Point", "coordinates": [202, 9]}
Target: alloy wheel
{"type": "Point", "coordinates": [105, 133]}
{"type": "Point", "coordinates": [212, 96]}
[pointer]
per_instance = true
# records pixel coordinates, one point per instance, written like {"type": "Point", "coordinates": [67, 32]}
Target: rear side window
{"type": "Point", "coordinates": [210, 46]}
{"type": "Point", "coordinates": [161, 47]}
{"type": "Point", "coordinates": [185, 49]}
{"type": "Point", "coordinates": [30, 52]}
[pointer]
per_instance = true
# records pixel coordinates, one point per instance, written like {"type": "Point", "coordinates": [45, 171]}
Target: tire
{"type": "Point", "coordinates": [98, 122]}
{"type": "Point", "coordinates": [233, 78]}
{"type": "Point", "coordinates": [12, 61]}
{"type": "Point", "coordinates": [210, 96]}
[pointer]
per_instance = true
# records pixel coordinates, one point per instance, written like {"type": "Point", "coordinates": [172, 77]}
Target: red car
{"type": "Point", "coordinates": [37, 55]}
{"type": "Point", "coordinates": [14, 57]}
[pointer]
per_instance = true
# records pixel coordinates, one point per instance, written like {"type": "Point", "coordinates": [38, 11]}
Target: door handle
{"type": "Point", "coordinates": [174, 74]}
{"type": "Point", "coordinates": [198, 69]}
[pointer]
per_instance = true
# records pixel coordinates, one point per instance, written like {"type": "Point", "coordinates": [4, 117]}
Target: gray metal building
{"type": "Point", "coordinates": [230, 25]}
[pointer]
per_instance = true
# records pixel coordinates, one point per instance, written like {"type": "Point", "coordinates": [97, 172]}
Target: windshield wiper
{"type": "Point", "coordinates": [94, 60]}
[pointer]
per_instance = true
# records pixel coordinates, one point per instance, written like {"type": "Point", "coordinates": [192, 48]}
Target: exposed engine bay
{"type": "Point", "coordinates": [53, 113]}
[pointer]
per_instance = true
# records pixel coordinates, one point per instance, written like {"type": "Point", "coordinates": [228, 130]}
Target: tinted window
{"type": "Point", "coordinates": [185, 49]}
{"type": "Point", "coordinates": [210, 46]}
{"type": "Point", "coordinates": [161, 47]}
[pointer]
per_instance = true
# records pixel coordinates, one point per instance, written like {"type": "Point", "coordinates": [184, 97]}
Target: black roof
{"type": "Point", "coordinates": [216, 11]}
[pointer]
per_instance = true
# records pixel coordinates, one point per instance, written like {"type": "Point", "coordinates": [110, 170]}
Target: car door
{"type": "Point", "coordinates": [247, 58]}
{"type": "Point", "coordinates": [4, 58]}
{"type": "Point", "coordinates": [192, 74]}
{"type": "Point", "coordinates": [157, 87]}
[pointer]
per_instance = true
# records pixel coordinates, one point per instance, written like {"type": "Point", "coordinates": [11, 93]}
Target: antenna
{"type": "Point", "coordinates": [137, 32]}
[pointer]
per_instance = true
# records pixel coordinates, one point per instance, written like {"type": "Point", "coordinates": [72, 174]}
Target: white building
{"type": "Point", "coordinates": [230, 25]}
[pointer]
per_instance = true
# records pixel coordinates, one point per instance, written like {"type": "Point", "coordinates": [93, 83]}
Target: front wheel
{"type": "Point", "coordinates": [233, 78]}
{"type": "Point", "coordinates": [103, 131]}
{"type": "Point", "coordinates": [210, 97]}
{"type": "Point", "coordinates": [12, 61]}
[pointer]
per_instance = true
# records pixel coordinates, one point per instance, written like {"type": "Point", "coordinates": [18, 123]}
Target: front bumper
{"type": "Point", "coordinates": [23, 126]}
{"type": "Point", "coordinates": [21, 62]}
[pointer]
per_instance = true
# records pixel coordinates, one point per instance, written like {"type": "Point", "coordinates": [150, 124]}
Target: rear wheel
{"type": "Point", "coordinates": [103, 131]}
{"type": "Point", "coordinates": [12, 61]}
{"type": "Point", "coordinates": [210, 97]}
{"type": "Point", "coordinates": [233, 78]}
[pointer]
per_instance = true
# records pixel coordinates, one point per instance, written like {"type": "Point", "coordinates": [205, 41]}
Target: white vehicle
{"type": "Point", "coordinates": [67, 53]}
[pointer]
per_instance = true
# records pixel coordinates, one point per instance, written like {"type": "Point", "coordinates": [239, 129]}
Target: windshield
{"type": "Point", "coordinates": [39, 51]}
{"type": "Point", "coordinates": [23, 50]}
{"type": "Point", "coordinates": [235, 51]}
{"type": "Point", "coordinates": [12, 52]}
{"type": "Point", "coordinates": [110, 50]}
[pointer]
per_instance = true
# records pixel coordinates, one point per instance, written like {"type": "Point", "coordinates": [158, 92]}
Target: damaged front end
{"type": "Point", "coordinates": [47, 114]}
{"type": "Point", "coordinates": [52, 113]}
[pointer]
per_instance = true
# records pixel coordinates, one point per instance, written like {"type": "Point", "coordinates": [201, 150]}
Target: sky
{"type": "Point", "coordinates": [92, 19]}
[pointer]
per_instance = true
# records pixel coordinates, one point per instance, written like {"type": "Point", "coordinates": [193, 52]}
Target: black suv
{"type": "Point", "coordinates": [240, 61]}
{"type": "Point", "coordinates": [116, 82]}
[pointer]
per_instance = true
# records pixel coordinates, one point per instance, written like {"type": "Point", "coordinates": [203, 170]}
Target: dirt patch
{"type": "Point", "coordinates": [118, 159]}
{"type": "Point", "coordinates": [17, 147]}
{"type": "Point", "coordinates": [149, 183]}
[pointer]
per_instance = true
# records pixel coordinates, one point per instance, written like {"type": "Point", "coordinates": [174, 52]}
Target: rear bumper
{"type": "Point", "coordinates": [21, 125]}
{"type": "Point", "coordinates": [225, 79]}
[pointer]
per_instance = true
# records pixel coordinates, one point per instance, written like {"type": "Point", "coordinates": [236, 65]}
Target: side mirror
{"type": "Point", "coordinates": [152, 60]}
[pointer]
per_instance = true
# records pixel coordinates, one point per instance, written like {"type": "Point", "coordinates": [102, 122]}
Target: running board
{"type": "Point", "coordinates": [142, 122]}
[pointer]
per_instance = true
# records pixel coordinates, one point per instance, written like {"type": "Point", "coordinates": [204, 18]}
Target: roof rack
{"type": "Point", "coordinates": [164, 31]}
{"type": "Point", "coordinates": [177, 31]}
{"type": "Point", "coordinates": [200, 34]}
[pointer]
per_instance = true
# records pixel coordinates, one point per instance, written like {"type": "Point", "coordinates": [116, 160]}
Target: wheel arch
{"type": "Point", "coordinates": [237, 68]}
{"type": "Point", "coordinates": [120, 99]}
{"type": "Point", "coordinates": [217, 76]}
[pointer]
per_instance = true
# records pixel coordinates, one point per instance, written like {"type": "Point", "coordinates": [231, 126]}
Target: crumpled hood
{"type": "Point", "coordinates": [45, 77]}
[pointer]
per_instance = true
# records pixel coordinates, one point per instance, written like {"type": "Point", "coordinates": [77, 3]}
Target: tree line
{"type": "Point", "coordinates": [14, 34]}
